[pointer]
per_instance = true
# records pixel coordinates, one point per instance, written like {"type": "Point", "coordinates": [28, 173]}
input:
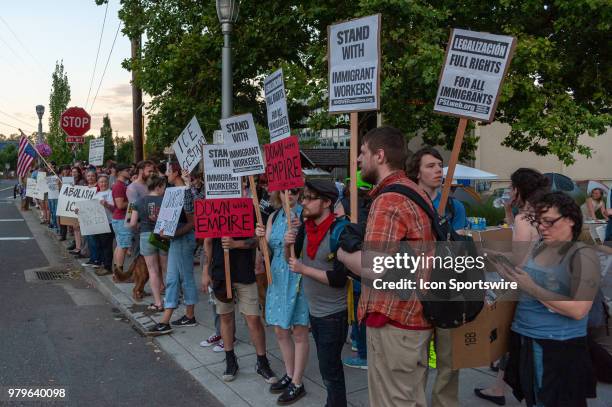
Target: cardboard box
{"type": "Point", "coordinates": [492, 234]}
{"type": "Point", "coordinates": [485, 339]}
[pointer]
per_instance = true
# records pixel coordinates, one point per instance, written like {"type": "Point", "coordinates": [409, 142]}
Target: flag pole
{"type": "Point", "coordinates": [39, 155]}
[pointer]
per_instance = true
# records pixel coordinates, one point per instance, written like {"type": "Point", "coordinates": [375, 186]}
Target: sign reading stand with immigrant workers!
{"type": "Point", "coordinates": [474, 68]}
{"type": "Point", "coordinates": [188, 145]}
{"type": "Point", "coordinates": [276, 105]}
{"type": "Point", "coordinates": [283, 165]}
{"type": "Point", "coordinates": [224, 218]}
{"type": "Point", "coordinates": [240, 138]}
{"type": "Point", "coordinates": [354, 65]}
{"type": "Point", "coordinates": [218, 178]}
{"type": "Point", "coordinates": [170, 210]}
{"type": "Point", "coordinates": [96, 151]}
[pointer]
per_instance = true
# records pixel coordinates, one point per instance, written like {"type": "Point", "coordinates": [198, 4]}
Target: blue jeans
{"type": "Point", "coordinates": [180, 271]}
{"type": "Point", "coordinates": [92, 243]}
{"type": "Point", "coordinates": [53, 211]}
{"type": "Point", "coordinates": [329, 333]}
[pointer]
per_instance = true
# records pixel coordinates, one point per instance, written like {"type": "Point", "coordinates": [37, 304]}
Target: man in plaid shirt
{"type": "Point", "coordinates": [398, 334]}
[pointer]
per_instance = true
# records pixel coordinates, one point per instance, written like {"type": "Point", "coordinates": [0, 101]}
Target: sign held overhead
{"type": "Point", "coordinates": [354, 65]}
{"type": "Point", "coordinates": [188, 145]}
{"type": "Point", "coordinates": [243, 147]}
{"type": "Point", "coordinates": [96, 151]}
{"type": "Point", "coordinates": [474, 69]}
{"type": "Point", "coordinates": [276, 105]}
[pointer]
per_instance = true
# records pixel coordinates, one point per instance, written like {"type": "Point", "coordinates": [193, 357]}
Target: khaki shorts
{"type": "Point", "coordinates": [246, 296]}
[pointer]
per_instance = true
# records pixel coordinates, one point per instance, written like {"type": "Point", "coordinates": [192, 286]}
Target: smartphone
{"type": "Point", "coordinates": [498, 258]}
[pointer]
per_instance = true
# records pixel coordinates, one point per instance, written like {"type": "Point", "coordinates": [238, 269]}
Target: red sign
{"type": "Point", "coordinates": [75, 122]}
{"type": "Point", "coordinates": [233, 217]}
{"type": "Point", "coordinates": [79, 140]}
{"type": "Point", "coordinates": [283, 164]}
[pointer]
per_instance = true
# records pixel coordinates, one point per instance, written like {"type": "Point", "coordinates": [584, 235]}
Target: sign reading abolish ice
{"type": "Point", "coordinates": [170, 210]}
{"type": "Point", "coordinates": [474, 69]}
{"type": "Point", "coordinates": [96, 151]}
{"type": "Point", "coordinates": [242, 145]}
{"type": "Point", "coordinates": [224, 218]}
{"type": "Point", "coordinates": [219, 181]}
{"type": "Point", "coordinates": [188, 145]}
{"type": "Point", "coordinates": [283, 166]}
{"type": "Point", "coordinates": [276, 105]}
{"type": "Point", "coordinates": [69, 196]}
{"type": "Point", "coordinates": [354, 65]}
{"type": "Point", "coordinates": [92, 218]}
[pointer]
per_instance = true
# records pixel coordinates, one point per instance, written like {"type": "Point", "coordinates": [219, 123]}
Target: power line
{"type": "Point", "coordinates": [15, 127]}
{"type": "Point", "coordinates": [12, 50]}
{"type": "Point", "coordinates": [15, 118]}
{"type": "Point", "coordinates": [97, 55]}
{"type": "Point", "coordinates": [38, 64]}
{"type": "Point", "coordinates": [105, 66]}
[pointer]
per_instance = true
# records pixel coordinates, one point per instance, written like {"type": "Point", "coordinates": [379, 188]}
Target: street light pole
{"type": "Point", "coordinates": [40, 110]}
{"type": "Point", "coordinates": [227, 12]}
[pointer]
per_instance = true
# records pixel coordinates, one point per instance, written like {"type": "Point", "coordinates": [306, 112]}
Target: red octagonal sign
{"type": "Point", "coordinates": [75, 122]}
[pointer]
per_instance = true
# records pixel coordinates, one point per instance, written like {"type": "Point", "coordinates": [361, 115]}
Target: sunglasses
{"type": "Point", "coordinates": [295, 191]}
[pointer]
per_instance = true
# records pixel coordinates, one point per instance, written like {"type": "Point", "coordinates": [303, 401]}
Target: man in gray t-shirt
{"type": "Point", "coordinates": [324, 286]}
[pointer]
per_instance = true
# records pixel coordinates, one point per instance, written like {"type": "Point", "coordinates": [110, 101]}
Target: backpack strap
{"type": "Point", "coordinates": [421, 203]}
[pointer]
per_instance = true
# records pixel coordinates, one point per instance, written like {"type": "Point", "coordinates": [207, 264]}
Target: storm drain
{"type": "Point", "coordinates": [52, 275]}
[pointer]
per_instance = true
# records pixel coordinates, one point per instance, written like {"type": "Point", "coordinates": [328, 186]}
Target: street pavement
{"type": "Point", "coordinates": [68, 336]}
{"type": "Point", "coordinates": [126, 368]}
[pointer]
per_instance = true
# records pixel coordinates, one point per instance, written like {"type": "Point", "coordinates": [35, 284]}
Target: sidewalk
{"type": "Point", "coordinates": [249, 389]}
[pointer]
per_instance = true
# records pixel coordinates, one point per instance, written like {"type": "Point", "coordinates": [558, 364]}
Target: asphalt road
{"type": "Point", "coordinates": [66, 335]}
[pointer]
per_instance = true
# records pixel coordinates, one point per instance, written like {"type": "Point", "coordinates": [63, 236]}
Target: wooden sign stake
{"type": "Point", "coordinates": [451, 165]}
{"type": "Point", "coordinates": [288, 216]}
{"type": "Point", "coordinates": [353, 165]}
{"type": "Point", "coordinates": [228, 275]}
{"type": "Point", "coordinates": [264, 244]}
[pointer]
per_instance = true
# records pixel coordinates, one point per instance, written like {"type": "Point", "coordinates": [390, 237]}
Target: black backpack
{"type": "Point", "coordinates": [442, 308]}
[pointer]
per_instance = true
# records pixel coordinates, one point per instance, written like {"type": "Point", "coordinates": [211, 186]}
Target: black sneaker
{"type": "Point", "coordinates": [291, 394]}
{"type": "Point", "coordinates": [72, 246]}
{"type": "Point", "coordinates": [264, 370]}
{"type": "Point", "coordinates": [184, 321]}
{"type": "Point", "coordinates": [280, 385]}
{"type": "Point", "coordinates": [159, 329]}
{"type": "Point", "coordinates": [231, 369]}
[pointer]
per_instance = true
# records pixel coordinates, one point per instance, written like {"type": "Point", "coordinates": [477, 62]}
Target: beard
{"type": "Point", "coordinates": [369, 176]}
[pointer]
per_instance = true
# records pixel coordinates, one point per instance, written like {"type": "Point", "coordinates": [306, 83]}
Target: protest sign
{"type": "Point", "coordinates": [240, 138]}
{"type": "Point", "coordinates": [283, 165]}
{"type": "Point", "coordinates": [31, 188]}
{"type": "Point", "coordinates": [68, 180]}
{"type": "Point", "coordinates": [92, 218]}
{"type": "Point", "coordinates": [96, 151]}
{"type": "Point", "coordinates": [41, 184]}
{"type": "Point", "coordinates": [188, 145]}
{"type": "Point", "coordinates": [218, 178]}
{"type": "Point", "coordinates": [170, 210]}
{"type": "Point", "coordinates": [354, 65]}
{"type": "Point", "coordinates": [224, 218]}
{"type": "Point", "coordinates": [52, 187]}
{"type": "Point", "coordinates": [68, 197]}
{"type": "Point", "coordinates": [276, 105]}
{"type": "Point", "coordinates": [474, 68]}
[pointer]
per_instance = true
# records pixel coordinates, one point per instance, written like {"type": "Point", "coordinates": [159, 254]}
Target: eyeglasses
{"type": "Point", "coordinates": [548, 223]}
{"type": "Point", "coordinates": [310, 197]}
{"type": "Point", "coordinates": [295, 191]}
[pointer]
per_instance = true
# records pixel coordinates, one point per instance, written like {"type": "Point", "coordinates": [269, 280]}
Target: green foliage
{"type": "Point", "coordinates": [58, 102]}
{"type": "Point", "coordinates": [106, 132]}
{"type": "Point", "coordinates": [557, 87]}
{"type": "Point", "coordinates": [9, 155]}
{"type": "Point", "coordinates": [82, 152]}
{"type": "Point", "coordinates": [125, 150]}
{"type": "Point", "coordinates": [493, 215]}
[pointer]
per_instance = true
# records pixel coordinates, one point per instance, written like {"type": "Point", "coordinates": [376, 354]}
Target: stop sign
{"type": "Point", "coordinates": [75, 121]}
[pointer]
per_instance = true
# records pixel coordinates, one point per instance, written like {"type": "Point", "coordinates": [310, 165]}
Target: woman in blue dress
{"type": "Point", "coordinates": [286, 306]}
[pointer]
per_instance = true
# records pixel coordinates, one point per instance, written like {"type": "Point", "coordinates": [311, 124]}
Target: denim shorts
{"type": "Point", "coordinates": [123, 235]}
{"type": "Point", "coordinates": [146, 248]}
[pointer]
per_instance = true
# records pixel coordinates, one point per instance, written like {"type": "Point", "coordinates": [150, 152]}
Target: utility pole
{"type": "Point", "coordinates": [136, 103]}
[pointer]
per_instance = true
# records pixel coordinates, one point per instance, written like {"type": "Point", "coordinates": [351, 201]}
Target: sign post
{"type": "Point", "coordinates": [354, 78]}
{"type": "Point", "coordinates": [470, 82]}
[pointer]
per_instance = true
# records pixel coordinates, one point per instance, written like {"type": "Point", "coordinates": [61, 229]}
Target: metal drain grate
{"type": "Point", "coordinates": [52, 275]}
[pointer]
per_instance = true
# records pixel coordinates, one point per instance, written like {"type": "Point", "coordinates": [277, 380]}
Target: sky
{"type": "Point", "coordinates": [44, 32]}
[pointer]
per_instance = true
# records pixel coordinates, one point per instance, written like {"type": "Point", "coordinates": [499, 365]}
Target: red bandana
{"type": "Point", "coordinates": [315, 234]}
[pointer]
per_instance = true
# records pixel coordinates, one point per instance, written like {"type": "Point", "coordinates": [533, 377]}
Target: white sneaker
{"type": "Point", "coordinates": [212, 340]}
{"type": "Point", "coordinates": [219, 347]}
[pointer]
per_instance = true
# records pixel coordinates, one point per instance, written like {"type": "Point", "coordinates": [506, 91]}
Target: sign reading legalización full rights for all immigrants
{"type": "Point", "coordinates": [474, 69]}
{"type": "Point", "coordinates": [354, 65]}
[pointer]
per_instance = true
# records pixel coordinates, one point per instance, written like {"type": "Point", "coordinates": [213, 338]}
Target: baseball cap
{"type": "Point", "coordinates": [122, 167]}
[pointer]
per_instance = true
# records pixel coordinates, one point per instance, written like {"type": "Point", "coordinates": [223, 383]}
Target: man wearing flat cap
{"type": "Point", "coordinates": [324, 286]}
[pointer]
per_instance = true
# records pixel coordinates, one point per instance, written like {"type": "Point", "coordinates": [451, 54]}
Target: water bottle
{"type": "Point", "coordinates": [503, 200]}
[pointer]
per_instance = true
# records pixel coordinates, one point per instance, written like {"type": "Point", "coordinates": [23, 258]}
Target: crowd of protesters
{"type": "Point", "coordinates": [552, 340]}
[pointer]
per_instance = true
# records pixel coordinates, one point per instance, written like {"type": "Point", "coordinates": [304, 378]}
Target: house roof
{"type": "Point", "coordinates": [327, 157]}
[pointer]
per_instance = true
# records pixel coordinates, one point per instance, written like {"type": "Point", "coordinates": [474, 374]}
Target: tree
{"type": "Point", "coordinates": [8, 155]}
{"type": "Point", "coordinates": [106, 132]}
{"type": "Point", "coordinates": [125, 150]}
{"type": "Point", "coordinates": [557, 87]}
{"type": "Point", "coordinates": [58, 101]}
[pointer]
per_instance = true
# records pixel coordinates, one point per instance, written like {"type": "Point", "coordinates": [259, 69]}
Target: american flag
{"type": "Point", "coordinates": [27, 154]}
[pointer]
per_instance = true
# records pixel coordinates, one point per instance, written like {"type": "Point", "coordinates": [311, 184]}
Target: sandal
{"type": "Point", "coordinates": [156, 308]}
